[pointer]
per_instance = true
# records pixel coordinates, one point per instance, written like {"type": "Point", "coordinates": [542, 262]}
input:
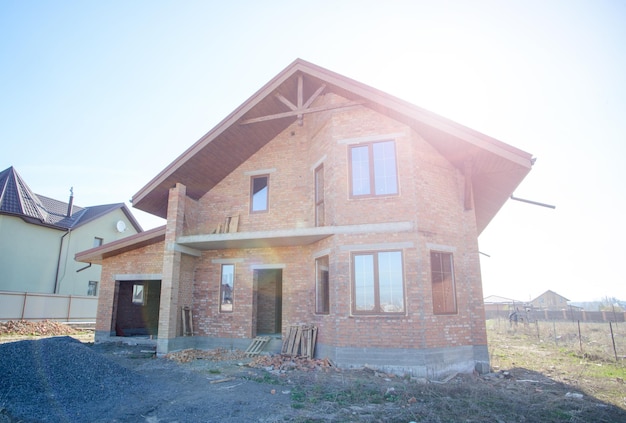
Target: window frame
{"type": "Point", "coordinates": [448, 295]}
{"type": "Point", "coordinates": [319, 196]}
{"type": "Point", "coordinates": [267, 195]}
{"type": "Point", "coordinates": [377, 311]}
{"type": "Point", "coordinates": [222, 305]}
{"type": "Point", "coordinates": [94, 292]}
{"type": "Point", "coordinates": [322, 285]}
{"type": "Point", "coordinates": [139, 294]}
{"type": "Point", "coordinates": [372, 169]}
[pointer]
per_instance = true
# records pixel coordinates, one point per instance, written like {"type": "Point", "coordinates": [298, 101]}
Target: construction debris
{"type": "Point", "coordinates": [40, 328]}
{"type": "Point", "coordinates": [300, 340]}
{"type": "Point", "coordinates": [219, 354]}
{"type": "Point", "coordinates": [282, 363]}
{"type": "Point", "coordinates": [257, 345]}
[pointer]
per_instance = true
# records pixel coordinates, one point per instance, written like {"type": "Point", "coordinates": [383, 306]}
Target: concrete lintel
{"type": "Point", "coordinates": [369, 138]}
{"type": "Point", "coordinates": [183, 249]}
{"type": "Point", "coordinates": [139, 277]}
{"type": "Point", "coordinates": [440, 247]}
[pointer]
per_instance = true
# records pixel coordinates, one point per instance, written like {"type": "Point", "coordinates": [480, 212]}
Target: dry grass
{"type": "Point", "coordinates": [537, 378]}
{"type": "Point", "coordinates": [555, 349]}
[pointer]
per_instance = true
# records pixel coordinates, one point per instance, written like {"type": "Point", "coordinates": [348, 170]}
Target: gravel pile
{"type": "Point", "coordinates": [62, 380]}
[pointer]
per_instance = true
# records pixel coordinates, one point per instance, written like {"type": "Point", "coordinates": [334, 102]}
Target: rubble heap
{"type": "Point", "coordinates": [283, 363]}
{"type": "Point", "coordinates": [219, 354]}
{"type": "Point", "coordinates": [41, 328]}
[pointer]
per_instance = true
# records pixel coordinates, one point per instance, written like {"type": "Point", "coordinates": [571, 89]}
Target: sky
{"type": "Point", "coordinates": [101, 96]}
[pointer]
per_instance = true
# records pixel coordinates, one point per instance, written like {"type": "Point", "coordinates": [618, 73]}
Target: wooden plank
{"type": "Point", "coordinates": [301, 112]}
{"type": "Point", "coordinates": [297, 341]}
{"type": "Point", "coordinates": [187, 321]}
{"type": "Point", "coordinates": [257, 345]}
{"type": "Point", "coordinates": [233, 225]}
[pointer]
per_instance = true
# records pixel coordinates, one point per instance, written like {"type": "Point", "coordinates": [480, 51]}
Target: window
{"type": "Point", "coordinates": [378, 285]}
{"type": "Point", "coordinates": [259, 190]}
{"type": "Point", "coordinates": [92, 288]}
{"type": "Point", "coordinates": [373, 169]}
{"type": "Point", "coordinates": [321, 286]}
{"type": "Point", "coordinates": [139, 295]}
{"type": "Point", "coordinates": [226, 288]}
{"type": "Point", "coordinates": [97, 242]}
{"type": "Point", "coordinates": [442, 274]}
{"type": "Point", "coordinates": [319, 196]}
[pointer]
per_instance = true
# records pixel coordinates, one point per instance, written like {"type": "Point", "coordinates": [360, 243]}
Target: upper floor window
{"type": "Point", "coordinates": [377, 282]}
{"type": "Point", "coordinates": [319, 196]}
{"type": "Point", "coordinates": [444, 291]}
{"type": "Point", "coordinates": [373, 169]}
{"type": "Point", "coordinates": [259, 193]}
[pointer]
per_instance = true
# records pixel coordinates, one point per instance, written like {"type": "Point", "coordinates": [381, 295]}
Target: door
{"type": "Point", "coordinates": [269, 301]}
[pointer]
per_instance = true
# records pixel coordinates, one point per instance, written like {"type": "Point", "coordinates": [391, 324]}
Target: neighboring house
{"type": "Point", "coordinates": [550, 301]}
{"type": "Point", "coordinates": [39, 237]}
{"type": "Point", "coordinates": [318, 201]}
{"type": "Point", "coordinates": [496, 306]}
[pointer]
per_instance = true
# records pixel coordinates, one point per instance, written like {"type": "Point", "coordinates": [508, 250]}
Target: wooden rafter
{"type": "Point", "coordinates": [305, 111]}
{"type": "Point", "coordinates": [302, 107]}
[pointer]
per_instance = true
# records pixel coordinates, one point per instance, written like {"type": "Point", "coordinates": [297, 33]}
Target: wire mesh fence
{"type": "Point", "coordinates": [602, 341]}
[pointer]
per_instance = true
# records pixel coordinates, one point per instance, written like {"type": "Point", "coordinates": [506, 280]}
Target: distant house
{"type": "Point", "coordinates": [319, 201]}
{"type": "Point", "coordinates": [39, 237]}
{"type": "Point", "coordinates": [497, 303]}
{"type": "Point", "coordinates": [550, 301]}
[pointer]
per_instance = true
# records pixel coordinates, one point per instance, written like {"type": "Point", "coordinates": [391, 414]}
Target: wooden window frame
{"type": "Point", "coordinates": [377, 306]}
{"type": "Point", "coordinates": [322, 286]}
{"type": "Point", "coordinates": [267, 197]}
{"type": "Point", "coordinates": [225, 307]}
{"type": "Point", "coordinates": [448, 293]}
{"type": "Point", "coordinates": [319, 196]}
{"type": "Point", "coordinates": [371, 169]}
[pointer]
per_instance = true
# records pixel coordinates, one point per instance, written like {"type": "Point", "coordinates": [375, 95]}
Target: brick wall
{"type": "Point", "coordinates": [430, 198]}
{"type": "Point", "coordinates": [141, 261]}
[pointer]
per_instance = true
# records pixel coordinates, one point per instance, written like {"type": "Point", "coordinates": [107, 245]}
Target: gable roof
{"type": "Point", "coordinates": [17, 199]}
{"type": "Point", "coordinates": [497, 168]}
{"type": "Point", "coordinates": [548, 293]}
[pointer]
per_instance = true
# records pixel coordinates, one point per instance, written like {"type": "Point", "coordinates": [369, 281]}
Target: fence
{"type": "Point", "coordinates": [36, 306]}
{"type": "Point", "coordinates": [605, 340]}
{"type": "Point", "coordinates": [573, 315]}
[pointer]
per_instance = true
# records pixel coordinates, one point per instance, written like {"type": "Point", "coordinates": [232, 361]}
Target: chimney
{"type": "Point", "coordinates": [70, 205]}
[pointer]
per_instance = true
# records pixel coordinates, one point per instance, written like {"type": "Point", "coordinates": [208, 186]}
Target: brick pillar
{"type": "Point", "coordinates": [168, 314]}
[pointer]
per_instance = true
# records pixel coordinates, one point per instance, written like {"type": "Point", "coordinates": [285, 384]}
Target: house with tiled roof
{"type": "Point", "coordinates": [39, 237]}
{"type": "Point", "coordinates": [323, 202]}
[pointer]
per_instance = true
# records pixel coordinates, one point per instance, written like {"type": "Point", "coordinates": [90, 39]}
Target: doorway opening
{"type": "Point", "coordinates": [268, 291]}
{"type": "Point", "coordinates": [136, 308]}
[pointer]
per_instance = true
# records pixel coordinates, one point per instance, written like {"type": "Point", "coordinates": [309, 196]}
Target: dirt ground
{"type": "Point", "coordinates": [225, 386]}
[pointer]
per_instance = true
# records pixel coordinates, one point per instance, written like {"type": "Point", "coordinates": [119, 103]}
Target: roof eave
{"type": "Point", "coordinates": [97, 254]}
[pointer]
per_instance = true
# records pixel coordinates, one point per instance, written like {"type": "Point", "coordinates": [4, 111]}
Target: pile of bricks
{"type": "Point", "coordinates": [284, 363]}
{"type": "Point", "coordinates": [41, 328]}
{"type": "Point", "coordinates": [219, 354]}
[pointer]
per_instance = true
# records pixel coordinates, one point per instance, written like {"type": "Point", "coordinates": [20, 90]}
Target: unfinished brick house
{"type": "Point", "coordinates": [318, 201]}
